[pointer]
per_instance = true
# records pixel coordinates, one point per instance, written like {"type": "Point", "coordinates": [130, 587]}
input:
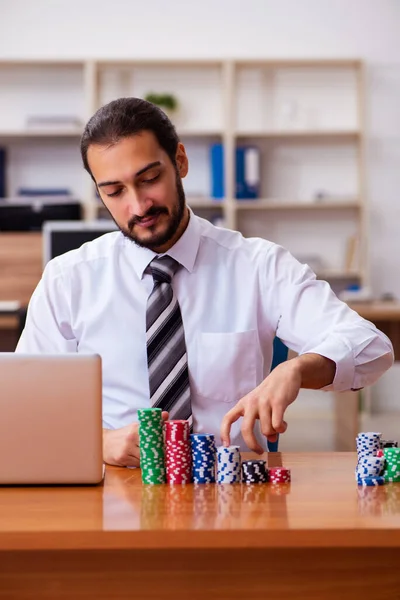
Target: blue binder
{"type": "Point", "coordinates": [217, 171]}
{"type": "Point", "coordinates": [247, 172]}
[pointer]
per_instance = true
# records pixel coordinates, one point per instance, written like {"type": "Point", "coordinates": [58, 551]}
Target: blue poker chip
{"type": "Point", "coordinates": [370, 481]}
{"type": "Point", "coordinates": [203, 457]}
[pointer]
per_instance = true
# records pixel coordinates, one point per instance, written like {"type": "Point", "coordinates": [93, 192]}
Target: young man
{"type": "Point", "coordinates": [184, 314]}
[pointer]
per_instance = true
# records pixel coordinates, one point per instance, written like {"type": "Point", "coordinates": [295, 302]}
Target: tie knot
{"type": "Point", "coordinates": [163, 269]}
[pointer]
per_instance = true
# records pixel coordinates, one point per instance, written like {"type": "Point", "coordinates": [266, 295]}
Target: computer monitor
{"type": "Point", "coordinates": [30, 214]}
{"type": "Point", "coordinates": [61, 236]}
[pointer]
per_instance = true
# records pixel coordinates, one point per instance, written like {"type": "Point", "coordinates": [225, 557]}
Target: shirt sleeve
{"type": "Point", "coordinates": [312, 319]}
{"type": "Point", "coordinates": [48, 323]}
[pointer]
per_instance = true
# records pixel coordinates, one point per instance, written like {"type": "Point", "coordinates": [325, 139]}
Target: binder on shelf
{"type": "Point", "coordinates": [247, 184]}
{"type": "Point", "coordinates": [217, 171]}
{"type": "Point", "coordinates": [3, 191]}
{"type": "Point", "coordinates": [247, 172]}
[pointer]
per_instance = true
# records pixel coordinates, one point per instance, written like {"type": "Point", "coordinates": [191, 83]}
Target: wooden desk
{"type": "Point", "coordinates": [386, 316]}
{"type": "Point", "coordinates": [20, 265]}
{"type": "Point", "coordinates": [320, 537]}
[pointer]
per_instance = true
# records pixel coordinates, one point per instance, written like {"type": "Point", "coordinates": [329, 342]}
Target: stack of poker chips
{"type": "Point", "coordinates": [391, 471]}
{"type": "Point", "coordinates": [370, 466]}
{"type": "Point", "coordinates": [389, 444]}
{"type": "Point", "coordinates": [228, 464]}
{"type": "Point", "coordinates": [254, 471]}
{"type": "Point", "coordinates": [279, 475]}
{"type": "Point", "coordinates": [178, 454]}
{"type": "Point", "coordinates": [151, 441]}
{"type": "Point", "coordinates": [203, 457]}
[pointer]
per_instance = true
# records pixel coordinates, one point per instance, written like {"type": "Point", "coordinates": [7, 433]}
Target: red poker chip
{"type": "Point", "coordinates": [279, 470]}
{"type": "Point", "coordinates": [279, 475]}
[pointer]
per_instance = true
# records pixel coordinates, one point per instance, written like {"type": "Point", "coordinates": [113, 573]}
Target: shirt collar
{"type": "Point", "coordinates": [184, 251]}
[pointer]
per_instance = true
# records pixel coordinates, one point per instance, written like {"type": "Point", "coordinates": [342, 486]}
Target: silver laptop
{"type": "Point", "coordinates": [50, 419]}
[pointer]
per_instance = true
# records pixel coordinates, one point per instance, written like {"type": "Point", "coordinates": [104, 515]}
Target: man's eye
{"type": "Point", "coordinates": [151, 179]}
{"type": "Point", "coordinates": [114, 194]}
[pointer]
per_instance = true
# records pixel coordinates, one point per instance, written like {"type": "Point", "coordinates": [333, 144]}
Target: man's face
{"type": "Point", "coordinates": [142, 189]}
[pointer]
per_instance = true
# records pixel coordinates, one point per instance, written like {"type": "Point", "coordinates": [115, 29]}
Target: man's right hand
{"type": "Point", "coordinates": [121, 446]}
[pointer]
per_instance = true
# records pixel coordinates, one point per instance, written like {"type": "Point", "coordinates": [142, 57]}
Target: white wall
{"type": "Point", "coordinates": [366, 29]}
{"type": "Point", "coordinates": [116, 28]}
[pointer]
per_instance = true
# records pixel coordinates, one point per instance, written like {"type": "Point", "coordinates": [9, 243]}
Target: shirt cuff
{"type": "Point", "coordinates": [336, 349]}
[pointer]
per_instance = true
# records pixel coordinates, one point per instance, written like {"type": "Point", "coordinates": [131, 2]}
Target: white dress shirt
{"type": "Point", "coordinates": [235, 295]}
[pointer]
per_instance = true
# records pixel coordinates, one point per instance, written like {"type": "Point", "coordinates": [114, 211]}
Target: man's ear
{"type": "Point", "coordinates": [182, 161]}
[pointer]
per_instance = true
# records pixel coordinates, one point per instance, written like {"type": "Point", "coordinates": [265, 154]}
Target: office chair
{"type": "Point", "coordinates": [280, 354]}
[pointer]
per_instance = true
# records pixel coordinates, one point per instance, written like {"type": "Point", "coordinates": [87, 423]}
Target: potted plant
{"type": "Point", "coordinates": [167, 102]}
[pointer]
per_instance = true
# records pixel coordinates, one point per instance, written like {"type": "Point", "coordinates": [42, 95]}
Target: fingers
{"type": "Point", "coordinates": [271, 421]}
{"type": "Point", "coordinates": [164, 415]}
{"type": "Point", "coordinates": [278, 423]}
{"type": "Point", "coordinates": [250, 415]}
{"type": "Point", "coordinates": [231, 417]}
{"type": "Point", "coordinates": [265, 415]}
{"type": "Point", "coordinates": [133, 458]}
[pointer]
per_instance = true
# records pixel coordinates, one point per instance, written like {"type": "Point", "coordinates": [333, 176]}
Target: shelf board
{"type": "Point", "coordinates": [206, 203]}
{"type": "Point", "coordinates": [273, 204]}
{"type": "Point", "coordinates": [299, 63]}
{"type": "Point", "coordinates": [182, 132]}
{"type": "Point", "coordinates": [301, 134]}
{"type": "Point", "coordinates": [160, 62]}
{"type": "Point", "coordinates": [338, 274]}
{"type": "Point", "coordinates": [40, 133]}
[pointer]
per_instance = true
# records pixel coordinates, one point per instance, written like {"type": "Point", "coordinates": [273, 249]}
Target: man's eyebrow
{"type": "Point", "coordinates": [157, 163]}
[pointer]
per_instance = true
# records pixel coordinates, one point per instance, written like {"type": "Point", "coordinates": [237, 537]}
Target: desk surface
{"type": "Point", "coordinates": [322, 507]}
{"type": "Point", "coordinates": [377, 311]}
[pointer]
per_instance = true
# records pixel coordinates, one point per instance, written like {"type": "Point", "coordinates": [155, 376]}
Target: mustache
{"type": "Point", "coordinates": [152, 212]}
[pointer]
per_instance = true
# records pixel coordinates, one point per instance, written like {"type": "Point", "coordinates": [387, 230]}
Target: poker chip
{"type": "Point", "coordinates": [279, 475]}
{"type": "Point", "coordinates": [371, 481]}
{"type": "Point", "coordinates": [151, 444]}
{"type": "Point", "coordinates": [378, 460]}
{"type": "Point", "coordinates": [203, 458]}
{"type": "Point", "coordinates": [228, 464]}
{"type": "Point", "coordinates": [389, 444]}
{"type": "Point", "coordinates": [392, 464]}
{"type": "Point", "coordinates": [254, 471]}
{"type": "Point", "coordinates": [178, 454]}
{"type": "Point", "coordinates": [369, 464]}
{"type": "Point", "coordinates": [170, 454]}
{"type": "Point", "coordinates": [368, 442]}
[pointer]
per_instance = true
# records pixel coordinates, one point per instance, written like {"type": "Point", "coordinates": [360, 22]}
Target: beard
{"type": "Point", "coordinates": [159, 239]}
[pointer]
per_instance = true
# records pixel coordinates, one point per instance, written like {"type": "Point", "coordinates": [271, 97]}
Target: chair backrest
{"type": "Point", "coordinates": [279, 355]}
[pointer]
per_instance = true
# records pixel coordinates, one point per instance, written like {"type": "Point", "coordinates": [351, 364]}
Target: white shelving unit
{"type": "Point", "coordinates": [306, 118]}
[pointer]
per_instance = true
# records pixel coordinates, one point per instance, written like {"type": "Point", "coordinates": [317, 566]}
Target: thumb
{"type": "Point", "coordinates": [164, 415]}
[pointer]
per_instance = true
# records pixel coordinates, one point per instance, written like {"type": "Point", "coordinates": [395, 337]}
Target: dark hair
{"type": "Point", "coordinates": [124, 117]}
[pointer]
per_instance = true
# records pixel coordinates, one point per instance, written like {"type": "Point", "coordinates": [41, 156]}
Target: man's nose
{"type": "Point", "coordinates": [138, 205]}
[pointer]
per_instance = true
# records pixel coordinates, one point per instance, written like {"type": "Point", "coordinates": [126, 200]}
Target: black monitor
{"type": "Point", "coordinates": [60, 237]}
{"type": "Point", "coordinates": [30, 214]}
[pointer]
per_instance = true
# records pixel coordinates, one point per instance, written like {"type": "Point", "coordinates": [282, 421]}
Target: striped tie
{"type": "Point", "coordinates": [166, 348]}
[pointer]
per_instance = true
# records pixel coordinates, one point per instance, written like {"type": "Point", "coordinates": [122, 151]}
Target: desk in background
{"type": "Point", "coordinates": [20, 271]}
{"type": "Point", "coordinates": [320, 537]}
{"type": "Point", "coordinates": [386, 316]}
